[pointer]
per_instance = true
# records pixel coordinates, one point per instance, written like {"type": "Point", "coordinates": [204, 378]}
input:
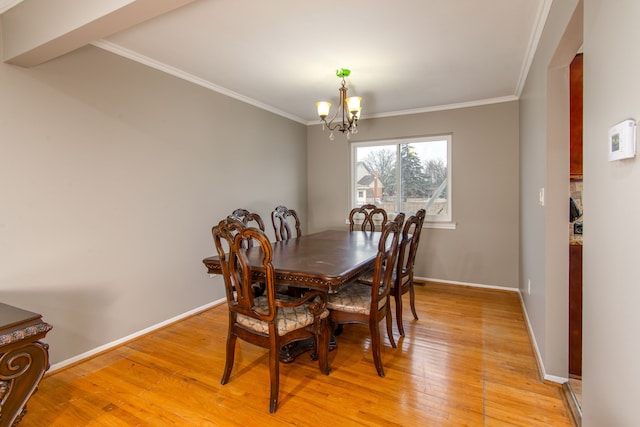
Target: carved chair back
{"type": "Point", "coordinates": [373, 218]}
{"type": "Point", "coordinates": [283, 220]}
{"type": "Point", "coordinates": [247, 218]}
{"type": "Point", "coordinates": [232, 238]}
{"type": "Point", "coordinates": [403, 280]}
{"type": "Point", "coordinates": [409, 245]}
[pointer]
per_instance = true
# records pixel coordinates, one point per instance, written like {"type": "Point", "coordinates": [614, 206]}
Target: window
{"type": "Point", "coordinates": [404, 176]}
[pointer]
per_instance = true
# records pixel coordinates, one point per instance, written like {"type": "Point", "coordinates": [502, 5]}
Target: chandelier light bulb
{"type": "Point", "coordinates": [353, 104]}
{"type": "Point", "coordinates": [323, 108]}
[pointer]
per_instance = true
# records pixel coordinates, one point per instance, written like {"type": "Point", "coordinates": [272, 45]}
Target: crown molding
{"type": "Point", "coordinates": [8, 4]}
{"type": "Point", "coordinates": [536, 34]}
{"type": "Point", "coordinates": [435, 108]}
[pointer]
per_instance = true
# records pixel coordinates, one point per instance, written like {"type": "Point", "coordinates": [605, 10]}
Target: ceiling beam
{"type": "Point", "coordinates": [36, 31]}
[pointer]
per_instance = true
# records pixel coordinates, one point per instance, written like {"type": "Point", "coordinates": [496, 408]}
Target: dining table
{"type": "Point", "coordinates": [322, 261]}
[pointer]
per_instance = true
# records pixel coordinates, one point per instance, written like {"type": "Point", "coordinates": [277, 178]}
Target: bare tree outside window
{"type": "Point", "coordinates": [382, 162]}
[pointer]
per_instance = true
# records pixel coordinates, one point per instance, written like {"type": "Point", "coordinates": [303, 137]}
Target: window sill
{"type": "Point", "coordinates": [442, 225]}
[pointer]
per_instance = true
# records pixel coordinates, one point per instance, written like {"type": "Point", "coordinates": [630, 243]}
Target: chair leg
{"type": "Point", "coordinates": [390, 327]}
{"type": "Point", "coordinates": [231, 351]}
{"type": "Point", "coordinates": [398, 299]}
{"type": "Point", "coordinates": [375, 346]}
{"type": "Point", "coordinates": [412, 301]}
{"type": "Point", "coordinates": [274, 374]}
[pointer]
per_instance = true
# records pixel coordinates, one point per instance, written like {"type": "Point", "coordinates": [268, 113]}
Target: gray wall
{"type": "Point", "coordinates": [111, 177]}
{"type": "Point", "coordinates": [544, 163]}
{"type": "Point", "coordinates": [484, 247]}
{"type": "Point", "coordinates": [611, 373]}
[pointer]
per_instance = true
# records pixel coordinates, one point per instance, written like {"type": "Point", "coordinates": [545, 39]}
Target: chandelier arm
{"type": "Point", "coordinates": [330, 122]}
{"type": "Point", "coordinates": [349, 121]}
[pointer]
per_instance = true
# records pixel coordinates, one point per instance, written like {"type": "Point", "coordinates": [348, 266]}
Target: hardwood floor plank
{"type": "Point", "coordinates": [466, 362]}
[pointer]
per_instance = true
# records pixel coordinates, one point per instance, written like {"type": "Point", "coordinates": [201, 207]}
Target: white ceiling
{"type": "Point", "coordinates": [404, 56]}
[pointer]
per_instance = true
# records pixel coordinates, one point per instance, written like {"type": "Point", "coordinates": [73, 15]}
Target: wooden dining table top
{"type": "Point", "coordinates": [323, 261]}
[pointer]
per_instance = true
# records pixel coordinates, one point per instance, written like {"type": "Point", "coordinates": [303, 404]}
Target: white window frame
{"type": "Point", "coordinates": [431, 221]}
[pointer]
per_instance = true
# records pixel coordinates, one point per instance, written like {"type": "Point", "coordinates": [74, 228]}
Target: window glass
{"type": "Point", "coordinates": [404, 176]}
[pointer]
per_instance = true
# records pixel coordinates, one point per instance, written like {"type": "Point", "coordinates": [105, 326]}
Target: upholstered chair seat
{"type": "Point", "coordinates": [354, 298]}
{"type": "Point", "coordinates": [287, 318]}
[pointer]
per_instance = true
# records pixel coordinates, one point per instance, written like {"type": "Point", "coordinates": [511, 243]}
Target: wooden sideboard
{"type": "Point", "coordinates": [23, 360]}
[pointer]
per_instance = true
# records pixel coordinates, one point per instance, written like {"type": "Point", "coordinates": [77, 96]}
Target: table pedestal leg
{"type": "Point", "coordinates": [289, 352]}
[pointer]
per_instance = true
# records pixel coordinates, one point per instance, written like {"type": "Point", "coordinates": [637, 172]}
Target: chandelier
{"type": "Point", "coordinates": [349, 108]}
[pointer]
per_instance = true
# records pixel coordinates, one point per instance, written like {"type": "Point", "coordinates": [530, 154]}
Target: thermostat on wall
{"type": "Point", "coordinates": [622, 140]}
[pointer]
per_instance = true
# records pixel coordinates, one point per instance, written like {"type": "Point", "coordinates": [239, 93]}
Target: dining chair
{"type": "Point", "coordinates": [402, 281]}
{"type": "Point", "coordinates": [371, 216]}
{"type": "Point", "coordinates": [281, 218]}
{"type": "Point", "coordinates": [266, 321]}
{"type": "Point", "coordinates": [369, 304]}
{"type": "Point", "coordinates": [402, 278]}
{"type": "Point", "coordinates": [247, 217]}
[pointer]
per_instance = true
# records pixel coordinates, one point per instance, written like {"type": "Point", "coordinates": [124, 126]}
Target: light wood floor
{"type": "Point", "coordinates": [468, 361]}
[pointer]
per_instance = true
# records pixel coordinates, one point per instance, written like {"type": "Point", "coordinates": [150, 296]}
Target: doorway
{"type": "Point", "coordinates": [575, 229]}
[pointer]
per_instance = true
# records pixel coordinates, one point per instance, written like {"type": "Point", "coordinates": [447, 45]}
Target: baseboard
{"type": "Point", "coordinates": [536, 350]}
{"type": "Point", "coordinates": [423, 280]}
{"type": "Point", "coordinates": [106, 347]}
{"type": "Point", "coordinates": [532, 340]}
